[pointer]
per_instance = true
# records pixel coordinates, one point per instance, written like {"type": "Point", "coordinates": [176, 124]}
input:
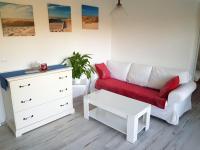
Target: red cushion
{"type": "Point", "coordinates": [102, 71]}
{"type": "Point", "coordinates": [147, 95]}
{"type": "Point", "coordinates": [169, 86]}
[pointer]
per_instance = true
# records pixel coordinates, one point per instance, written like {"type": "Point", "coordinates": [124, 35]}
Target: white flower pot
{"type": "Point", "coordinates": [76, 81]}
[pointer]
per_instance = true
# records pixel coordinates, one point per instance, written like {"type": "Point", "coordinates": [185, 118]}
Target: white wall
{"type": "Point", "coordinates": [157, 32]}
{"type": "Point", "coordinates": [17, 52]}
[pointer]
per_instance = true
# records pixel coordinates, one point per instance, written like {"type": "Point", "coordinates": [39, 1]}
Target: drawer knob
{"type": "Point", "coordinates": [22, 86]}
{"type": "Point", "coordinates": [64, 104]}
{"type": "Point", "coordinates": [63, 90]}
{"type": "Point", "coordinates": [62, 77]}
{"type": "Point", "coordinates": [28, 117]}
{"type": "Point", "coordinates": [26, 101]}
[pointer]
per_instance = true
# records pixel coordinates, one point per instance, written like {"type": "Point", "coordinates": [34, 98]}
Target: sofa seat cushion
{"type": "Point", "coordinates": [140, 93]}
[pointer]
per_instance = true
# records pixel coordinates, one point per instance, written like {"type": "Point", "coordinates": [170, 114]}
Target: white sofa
{"type": "Point", "coordinates": [179, 100]}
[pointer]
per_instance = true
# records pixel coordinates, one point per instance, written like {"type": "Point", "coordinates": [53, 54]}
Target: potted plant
{"type": "Point", "coordinates": [81, 66]}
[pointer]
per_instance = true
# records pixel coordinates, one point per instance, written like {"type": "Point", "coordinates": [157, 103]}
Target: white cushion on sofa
{"type": "Point", "coordinates": [139, 74]}
{"type": "Point", "coordinates": [160, 75]}
{"type": "Point", "coordinates": [118, 70]}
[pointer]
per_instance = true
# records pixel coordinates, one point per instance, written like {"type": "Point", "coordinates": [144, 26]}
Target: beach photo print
{"type": "Point", "coordinates": [90, 17]}
{"type": "Point", "coordinates": [17, 19]}
{"type": "Point", "coordinates": [59, 18]}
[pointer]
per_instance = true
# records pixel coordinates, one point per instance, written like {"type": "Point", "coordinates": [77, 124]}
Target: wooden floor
{"type": "Point", "coordinates": [74, 132]}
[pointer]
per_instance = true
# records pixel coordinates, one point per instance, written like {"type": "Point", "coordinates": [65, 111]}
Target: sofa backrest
{"type": "Point", "coordinates": [139, 74]}
{"type": "Point", "coordinates": [145, 75]}
{"type": "Point", "coordinates": [118, 70]}
{"type": "Point", "coordinates": [160, 75]}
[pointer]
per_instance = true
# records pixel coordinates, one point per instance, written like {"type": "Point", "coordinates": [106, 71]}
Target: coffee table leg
{"type": "Point", "coordinates": [147, 116]}
{"type": "Point", "coordinates": [132, 129]}
{"type": "Point", "coordinates": [86, 107]}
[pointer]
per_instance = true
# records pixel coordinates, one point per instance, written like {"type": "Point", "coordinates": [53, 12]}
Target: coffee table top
{"type": "Point", "coordinates": [117, 104]}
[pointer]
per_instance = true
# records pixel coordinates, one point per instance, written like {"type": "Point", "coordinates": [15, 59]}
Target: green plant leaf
{"type": "Point", "coordinates": [80, 64]}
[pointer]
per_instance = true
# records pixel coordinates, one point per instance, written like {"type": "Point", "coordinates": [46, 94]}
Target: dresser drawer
{"type": "Point", "coordinates": [28, 103]}
{"type": "Point", "coordinates": [26, 118]}
{"type": "Point", "coordinates": [31, 92]}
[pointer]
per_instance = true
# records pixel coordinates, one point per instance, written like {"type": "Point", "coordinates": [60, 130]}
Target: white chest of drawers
{"type": "Point", "coordinates": [36, 99]}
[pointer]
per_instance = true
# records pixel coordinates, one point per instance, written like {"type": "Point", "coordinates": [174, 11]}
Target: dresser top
{"type": "Point", "coordinates": [21, 74]}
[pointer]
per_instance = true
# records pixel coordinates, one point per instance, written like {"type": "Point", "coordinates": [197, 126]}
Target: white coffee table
{"type": "Point", "coordinates": [124, 114]}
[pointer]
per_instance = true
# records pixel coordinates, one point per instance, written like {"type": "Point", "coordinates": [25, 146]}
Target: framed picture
{"type": "Point", "coordinates": [17, 19]}
{"type": "Point", "coordinates": [90, 17]}
{"type": "Point", "coordinates": [59, 18]}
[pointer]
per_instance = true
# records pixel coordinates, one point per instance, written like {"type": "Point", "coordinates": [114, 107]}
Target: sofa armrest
{"type": "Point", "coordinates": [93, 80]}
{"type": "Point", "coordinates": [181, 93]}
